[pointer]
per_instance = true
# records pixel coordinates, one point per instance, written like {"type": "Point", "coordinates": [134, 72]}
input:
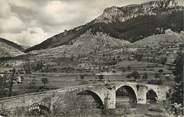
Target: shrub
{"type": "Point", "coordinates": [100, 77]}
{"type": "Point", "coordinates": [44, 81]}
{"type": "Point", "coordinates": [163, 60]}
{"type": "Point", "coordinates": [145, 76]}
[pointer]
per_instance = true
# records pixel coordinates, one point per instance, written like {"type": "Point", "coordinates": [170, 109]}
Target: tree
{"type": "Point", "coordinates": [100, 77]}
{"type": "Point", "coordinates": [81, 77]}
{"type": "Point", "coordinates": [128, 76]}
{"type": "Point", "coordinates": [163, 60]}
{"type": "Point", "coordinates": [27, 66]}
{"type": "Point", "coordinates": [32, 84]}
{"type": "Point", "coordinates": [129, 68]}
{"type": "Point", "coordinates": [135, 74]}
{"type": "Point", "coordinates": [138, 57]}
{"type": "Point", "coordinates": [160, 70]}
{"type": "Point", "coordinates": [11, 79]}
{"type": "Point", "coordinates": [3, 86]}
{"type": "Point", "coordinates": [39, 65]}
{"type": "Point", "coordinates": [7, 81]}
{"type": "Point", "coordinates": [145, 76]}
{"type": "Point", "coordinates": [44, 81]}
{"type": "Point", "coordinates": [72, 58]}
{"type": "Point", "coordinates": [157, 75]}
{"type": "Point", "coordinates": [163, 4]}
{"type": "Point", "coordinates": [177, 96]}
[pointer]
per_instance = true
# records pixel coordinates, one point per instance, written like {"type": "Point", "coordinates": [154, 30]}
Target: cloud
{"type": "Point", "coordinates": [32, 21]}
{"type": "Point", "coordinates": [5, 9]}
{"type": "Point", "coordinates": [27, 37]}
{"type": "Point", "coordinates": [57, 12]}
{"type": "Point", "coordinates": [11, 24]}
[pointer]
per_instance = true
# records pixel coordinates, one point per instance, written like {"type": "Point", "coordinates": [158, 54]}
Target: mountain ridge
{"type": "Point", "coordinates": [143, 20]}
{"type": "Point", "coordinates": [12, 44]}
{"type": "Point", "coordinates": [9, 49]}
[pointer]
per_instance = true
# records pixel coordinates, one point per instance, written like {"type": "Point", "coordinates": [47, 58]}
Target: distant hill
{"type": "Point", "coordinates": [83, 45]}
{"type": "Point", "coordinates": [130, 23]}
{"type": "Point", "coordinates": [169, 39]}
{"type": "Point", "coordinates": [9, 49]}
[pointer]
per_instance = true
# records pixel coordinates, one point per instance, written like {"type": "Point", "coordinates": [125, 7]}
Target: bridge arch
{"type": "Point", "coordinates": [38, 109]}
{"type": "Point", "coordinates": [96, 96]}
{"type": "Point", "coordinates": [131, 86]}
{"type": "Point", "coordinates": [151, 96]}
{"type": "Point", "coordinates": [126, 91]}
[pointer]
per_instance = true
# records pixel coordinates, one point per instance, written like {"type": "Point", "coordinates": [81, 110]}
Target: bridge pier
{"type": "Point", "coordinates": [110, 99]}
{"type": "Point", "coordinates": [141, 95]}
{"type": "Point", "coordinates": [162, 93]}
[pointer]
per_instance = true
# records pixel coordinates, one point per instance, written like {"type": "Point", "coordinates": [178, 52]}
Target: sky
{"type": "Point", "coordinates": [29, 22]}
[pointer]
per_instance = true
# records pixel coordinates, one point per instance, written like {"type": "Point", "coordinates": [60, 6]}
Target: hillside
{"type": "Point", "coordinates": [145, 33]}
{"type": "Point", "coordinates": [130, 23]}
{"type": "Point", "coordinates": [9, 49]}
{"type": "Point", "coordinates": [85, 44]}
{"type": "Point", "coordinates": [167, 40]}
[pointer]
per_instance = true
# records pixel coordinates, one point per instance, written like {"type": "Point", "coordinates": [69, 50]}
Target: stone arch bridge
{"type": "Point", "coordinates": [105, 93]}
{"type": "Point", "coordinates": [108, 93]}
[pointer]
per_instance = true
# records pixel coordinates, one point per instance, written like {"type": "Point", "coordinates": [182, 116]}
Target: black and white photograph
{"type": "Point", "coordinates": [91, 58]}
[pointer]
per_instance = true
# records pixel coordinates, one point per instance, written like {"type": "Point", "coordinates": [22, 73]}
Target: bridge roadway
{"type": "Point", "coordinates": [105, 92]}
